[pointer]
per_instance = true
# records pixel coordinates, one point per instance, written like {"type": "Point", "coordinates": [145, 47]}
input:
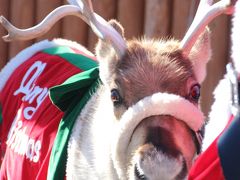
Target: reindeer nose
{"type": "Point", "coordinates": [163, 141]}
{"type": "Point", "coordinates": [151, 163]}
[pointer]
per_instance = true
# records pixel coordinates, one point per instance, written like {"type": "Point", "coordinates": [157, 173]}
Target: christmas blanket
{"type": "Point", "coordinates": [33, 131]}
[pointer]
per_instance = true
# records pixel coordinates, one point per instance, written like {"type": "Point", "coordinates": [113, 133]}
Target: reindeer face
{"type": "Point", "coordinates": [159, 145]}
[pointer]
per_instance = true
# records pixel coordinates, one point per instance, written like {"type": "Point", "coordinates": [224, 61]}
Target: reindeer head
{"type": "Point", "coordinates": [154, 86]}
{"type": "Point", "coordinates": [155, 91]}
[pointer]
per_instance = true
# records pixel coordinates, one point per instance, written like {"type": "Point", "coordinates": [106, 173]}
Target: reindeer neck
{"type": "Point", "coordinates": [92, 133]}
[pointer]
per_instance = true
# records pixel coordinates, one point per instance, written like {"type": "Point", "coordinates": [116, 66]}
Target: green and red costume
{"type": "Point", "coordinates": [35, 127]}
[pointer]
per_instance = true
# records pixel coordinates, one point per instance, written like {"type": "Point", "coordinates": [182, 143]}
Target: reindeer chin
{"type": "Point", "coordinates": [152, 163]}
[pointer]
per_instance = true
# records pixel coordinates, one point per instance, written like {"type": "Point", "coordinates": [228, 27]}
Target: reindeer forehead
{"type": "Point", "coordinates": [156, 57]}
{"type": "Point", "coordinates": [150, 67]}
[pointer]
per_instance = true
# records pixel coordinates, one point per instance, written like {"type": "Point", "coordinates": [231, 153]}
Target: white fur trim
{"type": "Point", "coordinates": [157, 104]}
{"type": "Point", "coordinates": [221, 108]}
{"type": "Point", "coordinates": [220, 112]}
{"type": "Point", "coordinates": [27, 53]}
{"type": "Point", "coordinates": [20, 58]}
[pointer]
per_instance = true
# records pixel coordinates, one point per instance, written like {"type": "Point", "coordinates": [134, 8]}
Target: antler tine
{"type": "Point", "coordinates": [82, 9]}
{"type": "Point", "coordinates": [15, 33]}
{"type": "Point", "coordinates": [206, 12]}
{"type": "Point", "coordinates": [101, 28]}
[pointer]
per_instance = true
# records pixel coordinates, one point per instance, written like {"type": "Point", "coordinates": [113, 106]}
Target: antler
{"type": "Point", "coordinates": [82, 9]}
{"type": "Point", "coordinates": [15, 33]}
{"type": "Point", "coordinates": [206, 12]}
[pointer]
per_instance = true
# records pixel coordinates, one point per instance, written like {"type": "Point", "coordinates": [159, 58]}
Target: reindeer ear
{"type": "Point", "coordinates": [107, 55]}
{"type": "Point", "coordinates": [116, 25]}
{"type": "Point", "coordinates": [104, 48]}
{"type": "Point", "coordinates": [200, 54]}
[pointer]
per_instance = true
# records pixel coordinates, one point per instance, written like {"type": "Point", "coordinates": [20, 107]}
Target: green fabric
{"type": "Point", "coordinates": [70, 97]}
{"type": "Point", "coordinates": [67, 53]}
{"type": "Point", "coordinates": [67, 98]}
{"type": "Point", "coordinates": [62, 95]}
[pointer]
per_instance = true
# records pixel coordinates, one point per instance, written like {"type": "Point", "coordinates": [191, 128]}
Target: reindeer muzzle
{"type": "Point", "coordinates": [156, 104]}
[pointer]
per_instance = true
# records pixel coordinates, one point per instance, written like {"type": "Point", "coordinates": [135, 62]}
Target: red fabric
{"type": "Point", "coordinates": [208, 165]}
{"type": "Point", "coordinates": [31, 142]}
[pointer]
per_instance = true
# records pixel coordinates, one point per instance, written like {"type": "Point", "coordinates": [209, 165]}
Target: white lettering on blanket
{"type": "Point", "coordinates": [31, 90]}
{"type": "Point", "coordinates": [18, 139]}
{"type": "Point", "coordinates": [21, 143]}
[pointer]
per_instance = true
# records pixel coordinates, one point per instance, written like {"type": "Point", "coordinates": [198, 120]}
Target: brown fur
{"type": "Point", "coordinates": [149, 67]}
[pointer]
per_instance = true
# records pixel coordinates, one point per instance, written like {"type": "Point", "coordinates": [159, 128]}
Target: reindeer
{"type": "Point", "coordinates": [143, 121]}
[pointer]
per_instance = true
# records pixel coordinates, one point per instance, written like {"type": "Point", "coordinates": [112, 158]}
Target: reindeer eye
{"type": "Point", "coordinates": [115, 96]}
{"type": "Point", "coordinates": [195, 92]}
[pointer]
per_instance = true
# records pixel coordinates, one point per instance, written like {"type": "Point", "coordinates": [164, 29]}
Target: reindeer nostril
{"type": "Point", "coordinates": [163, 140]}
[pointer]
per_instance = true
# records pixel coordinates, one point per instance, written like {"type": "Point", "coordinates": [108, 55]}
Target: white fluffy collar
{"type": "Point", "coordinates": [156, 104]}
